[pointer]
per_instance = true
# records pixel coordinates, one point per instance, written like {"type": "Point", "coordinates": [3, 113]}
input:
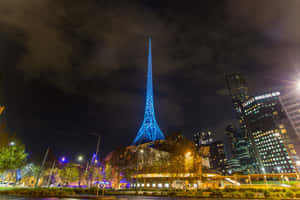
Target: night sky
{"type": "Point", "coordinates": [74, 67]}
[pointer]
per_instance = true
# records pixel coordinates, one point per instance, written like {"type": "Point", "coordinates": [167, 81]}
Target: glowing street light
{"type": "Point", "coordinates": [80, 158]}
{"type": "Point", "coordinates": [298, 85]}
{"type": "Point", "coordinates": [63, 159]}
{"type": "Point", "coordinates": [12, 143]}
{"type": "Point", "coordinates": [188, 154]}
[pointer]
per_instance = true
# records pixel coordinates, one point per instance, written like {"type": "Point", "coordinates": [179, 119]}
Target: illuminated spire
{"type": "Point", "coordinates": [149, 130]}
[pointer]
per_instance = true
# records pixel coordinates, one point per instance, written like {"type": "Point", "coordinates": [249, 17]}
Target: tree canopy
{"type": "Point", "coordinates": [12, 157]}
{"type": "Point", "coordinates": [69, 173]}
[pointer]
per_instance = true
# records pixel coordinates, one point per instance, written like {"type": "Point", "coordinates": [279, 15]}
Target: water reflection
{"type": "Point", "coordinates": [118, 198]}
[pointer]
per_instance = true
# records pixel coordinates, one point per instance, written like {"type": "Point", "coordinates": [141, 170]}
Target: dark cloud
{"type": "Point", "coordinates": [276, 21]}
{"type": "Point", "coordinates": [85, 61]}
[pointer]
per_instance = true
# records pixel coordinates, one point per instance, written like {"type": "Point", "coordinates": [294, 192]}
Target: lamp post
{"type": "Point", "coordinates": [50, 175]}
{"type": "Point", "coordinates": [12, 143]}
{"type": "Point", "coordinates": [80, 159]}
{"type": "Point", "coordinates": [41, 169]}
{"type": "Point", "coordinates": [265, 178]}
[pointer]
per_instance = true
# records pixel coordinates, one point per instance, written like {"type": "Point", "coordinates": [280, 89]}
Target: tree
{"type": "Point", "coordinates": [97, 174]}
{"type": "Point", "coordinates": [29, 172]}
{"type": "Point", "coordinates": [108, 172]}
{"type": "Point", "coordinates": [69, 173]}
{"type": "Point", "coordinates": [12, 157]}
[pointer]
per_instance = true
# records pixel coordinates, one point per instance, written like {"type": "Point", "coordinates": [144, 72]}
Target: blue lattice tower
{"type": "Point", "coordinates": [149, 130]}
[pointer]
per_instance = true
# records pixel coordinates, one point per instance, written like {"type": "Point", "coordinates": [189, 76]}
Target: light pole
{"type": "Point", "coordinates": [93, 164]}
{"type": "Point", "coordinates": [50, 175]}
{"type": "Point", "coordinates": [41, 169]}
{"type": "Point", "coordinates": [265, 178]}
{"type": "Point", "coordinates": [79, 160]}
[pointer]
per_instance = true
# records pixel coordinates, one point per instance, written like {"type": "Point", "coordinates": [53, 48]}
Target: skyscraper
{"type": "Point", "coordinates": [149, 130]}
{"type": "Point", "coordinates": [217, 156]}
{"type": "Point", "coordinates": [291, 105]}
{"type": "Point", "coordinates": [269, 130]}
{"type": "Point", "coordinates": [241, 147]}
{"type": "Point", "coordinates": [238, 89]}
{"type": "Point", "coordinates": [238, 152]}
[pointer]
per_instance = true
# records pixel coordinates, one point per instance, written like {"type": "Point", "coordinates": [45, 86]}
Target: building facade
{"type": "Point", "coordinates": [217, 156]}
{"type": "Point", "coordinates": [238, 89]}
{"type": "Point", "coordinates": [290, 102]}
{"type": "Point", "coordinates": [240, 145]}
{"type": "Point", "coordinates": [267, 127]}
{"type": "Point", "coordinates": [238, 152]}
{"type": "Point", "coordinates": [203, 138]}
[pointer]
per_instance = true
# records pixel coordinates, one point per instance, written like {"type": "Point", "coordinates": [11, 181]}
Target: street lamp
{"type": "Point", "coordinates": [63, 159]}
{"type": "Point", "coordinates": [80, 158]}
{"type": "Point", "coordinates": [188, 154]}
{"type": "Point", "coordinates": [298, 85]}
{"type": "Point", "coordinates": [265, 178]}
{"type": "Point", "coordinates": [12, 143]}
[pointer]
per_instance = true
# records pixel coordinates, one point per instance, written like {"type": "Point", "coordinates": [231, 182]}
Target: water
{"type": "Point", "coordinates": [118, 198]}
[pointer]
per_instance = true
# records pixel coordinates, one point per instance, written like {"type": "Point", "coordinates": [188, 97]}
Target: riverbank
{"type": "Point", "coordinates": [245, 193]}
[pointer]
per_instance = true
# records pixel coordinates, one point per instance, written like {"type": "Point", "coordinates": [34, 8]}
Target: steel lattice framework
{"type": "Point", "coordinates": [149, 130]}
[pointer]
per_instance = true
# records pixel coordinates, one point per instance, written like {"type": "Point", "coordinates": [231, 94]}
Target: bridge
{"type": "Point", "coordinates": [212, 180]}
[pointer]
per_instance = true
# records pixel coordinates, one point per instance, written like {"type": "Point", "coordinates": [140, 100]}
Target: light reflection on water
{"type": "Point", "coordinates": [26, 198]}
{"type": "Point", "coordinates": [118, 198]}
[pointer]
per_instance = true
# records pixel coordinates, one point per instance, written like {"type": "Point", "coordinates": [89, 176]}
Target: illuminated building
{"type": "Point", "coordinates": [268, 128]}
{"type": "Point", "coordinates": [233, 166]}
{"type": "Point", "coordinates": [238, 89]}
{"type": "Point", "coordinates": [217, 156]}
{"type": "Point", "coordinates": [203, 138]}
{"type": "Point", "coordinates": [238, 153]}
{"type": "Point", "coordinates": [291, 105]}
{"type": "Point", "coordinates": [149, 131]}
{"type": "Point", "coordinates": [240, 147]}
{"type": "Point", "coordinates": [211, 151]}
{"type": "Point", "coordinates": [231, 136]}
